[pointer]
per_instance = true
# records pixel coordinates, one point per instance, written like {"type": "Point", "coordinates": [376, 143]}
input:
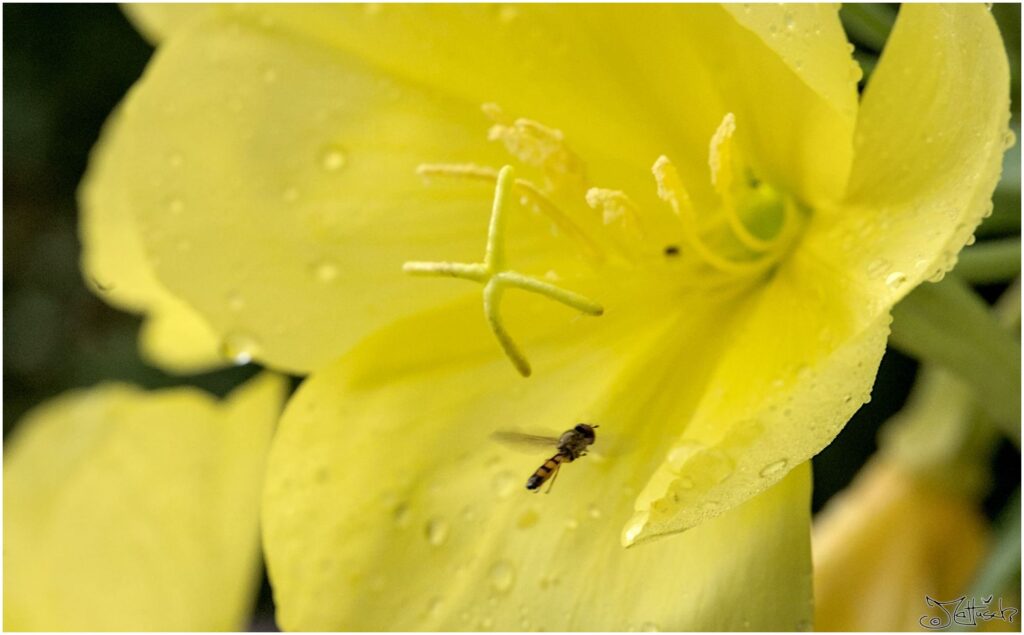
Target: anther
{"type": "Point", "coordinates": [724, 164]}
{"type": "Point", "coordinates": [496, 277]}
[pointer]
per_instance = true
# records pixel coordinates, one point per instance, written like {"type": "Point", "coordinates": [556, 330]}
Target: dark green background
{"type": "Point", "coordinates": [66, 66]}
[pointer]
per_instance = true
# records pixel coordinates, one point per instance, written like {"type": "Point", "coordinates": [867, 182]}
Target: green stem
{"type": "Point", "coordinates": [990, 261]}
{"type": "Point", "coordinates": [947, 324]}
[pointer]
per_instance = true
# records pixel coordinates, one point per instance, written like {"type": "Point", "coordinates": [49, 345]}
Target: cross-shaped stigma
{"type": "Point", "coordinates": [495, 277]}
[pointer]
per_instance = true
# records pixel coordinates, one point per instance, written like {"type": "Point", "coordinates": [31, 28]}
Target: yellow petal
{"type": "Point", "coordinates": [805, 358]}
{"type": "Point", "coordinates": [390, 507]}
{"type": "Point", "coordinates": [868, 577]}
{"type": "Point", "coordinates": [810, 39]}
{"type": "Point", "coordinates": [157, 21]}
{"type": "Point", "coordinates": [127, 510]}
{"type": "Point", "coordinates": [292, 176]}
{"type": "Point", "coordinates": [297, 132]}
{"type": "Point", "coordinates": [116, 267]}
{"type": "Point", "coordinates": [930, 138]}
{"type": "Point", "coordinates": [800, 361]}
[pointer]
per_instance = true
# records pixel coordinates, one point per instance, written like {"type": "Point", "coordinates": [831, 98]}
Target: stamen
{"type": "Point", "coordinates": [616, 207]}
{"type": "Point", "coordinates": [537, 145]}
{"type": "Point", "coordinates": [495, 277]}
{"type": "Point", "coordinates": [723, 163]}
{"type": "Point", "coordinates": [537, 199]}
{"type": "Point", "coordinates": [671, 190]}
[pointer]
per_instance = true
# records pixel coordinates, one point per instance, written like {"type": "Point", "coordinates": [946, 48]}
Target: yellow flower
{"type": "Point", "coordinates": [272, 161]}
{"type": "Point", "coordinates": [134, 511]}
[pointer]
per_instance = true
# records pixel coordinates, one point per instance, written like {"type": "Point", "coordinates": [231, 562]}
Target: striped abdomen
{"type": "Point", "coordinates": [544, 472]}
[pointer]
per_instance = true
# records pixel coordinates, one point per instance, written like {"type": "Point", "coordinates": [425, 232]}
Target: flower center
{"type": "Point", "coordinates": [754, 225]}
{"type": "Point", "coordinates": [750, 230]}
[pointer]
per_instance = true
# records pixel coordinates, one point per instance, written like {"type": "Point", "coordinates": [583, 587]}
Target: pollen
{"type": "Point", "coordinates": [493, 272]}
{"type": "Point", "coordinates": [538, 145]}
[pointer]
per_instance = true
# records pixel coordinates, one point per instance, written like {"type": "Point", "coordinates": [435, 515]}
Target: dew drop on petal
{"type": "Point", "coordinates": [507, 14]}
{"type": "Point", "coordinates": [527, 519]}
{"type": "Point", "coordinates": [236, 302]}
{"type": "Point", "coordinates": [773, 468]}
{"type": "Point", "coordinates": [878, 266]}
{"type": "Point", "coordinates": [434, 606]}
{"type": "Point", "coordinates": [504, 484]}
{"type": "Point", "coordinates": [502, 576]}
{"type": "Point", "coordinates": [332, 158]}
{"type": "Point", "coordinates": [649, 627]}
{"type": "Point", "coordinates": [971, 240]}
{"type": "Point", "coordinates": [290, 194]}
{"type": "Point", "coordinates": [402, 515]}
{"type": "Point", "coordinates": [895, 280]}
{"type": "Point", "coordinates": [325, 271]}
{"type": "Point", "coordinates": [175, 206]}
{"type": "Point", "coordinates": [239, 348]}
{"type": "Point", "coordinates": [594, 511]}
{"type": "Point", "coordinates": [1009, 138]}
{"type": "Point", "coordinates": [437, 531]}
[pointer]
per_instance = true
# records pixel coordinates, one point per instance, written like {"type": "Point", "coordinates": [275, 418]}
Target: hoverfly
{"type": "Point", "coordinates": [572, 444]}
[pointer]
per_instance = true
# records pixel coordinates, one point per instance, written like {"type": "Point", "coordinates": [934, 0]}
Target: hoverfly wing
{"type": "Point", "coordinates": [524, 441]}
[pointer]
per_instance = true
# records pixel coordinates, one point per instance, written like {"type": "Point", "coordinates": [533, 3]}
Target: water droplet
{"type": "Point", "coordinates": [594, 511]}
{"type": "Point", "coordinates": [878, 266]}
{"type": "Point", "coordinates": [325, 271]}
{"type": "Point", "coordinates": [239, 348]}
{"type": "Point", "coordinates": [175, 206]}
{"type": "Point", "coordinates": [680, 454]}
{"type": "Point", "coordinates": [507, 13]}
{"type": "Point", "coordinates": [634, 527]}
{"type": "Point", "coordinates": [971, 240]}
{"type": "Point", "coordinates": [102, 286]}
{"type": "Point", "coordinates": [402, 515]}
{"type": "Point", "coordinates": [175, 160]}
{"type": "Point", "coordinates": [235, 301]}
{"type": "Point", "coordinates": [434, 606]}
{"type": "Point", "coordinates": [527, 519]}
{"type": "Point", "coordinates": [774, 468]}
{"type": "Point", "coordinates": [895, 280]}
{"type": "Point", "coordinates": [290, 194]}
{"type": "Point", "coordinates": [571, 524]}
{"type": "Point", "coordinates": [437, 531]}
{"type": "Point", "coordinates": [790, 23]}
{"type": "Point", "coordinates": [332, 158]}
{"type": "Point", "coordinates": [847, 398]}
{"type": "Point", "coordinates": [270, 75]}
{"type": "Point", "coordinates": [504, 484]}
{"type": "Point", "coordinates": [1009, 138]}
{"type": "Point", "coordinates": [502, 576]}
{"type": "Point", "coordinates": [649, 627]}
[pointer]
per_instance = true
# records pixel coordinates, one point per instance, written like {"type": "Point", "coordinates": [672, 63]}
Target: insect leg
{"type": "Point", "coordinates": [554, 475]}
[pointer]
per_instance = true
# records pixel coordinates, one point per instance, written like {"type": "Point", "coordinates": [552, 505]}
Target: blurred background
{"type": "Point", "coordinates": [66, 67]}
